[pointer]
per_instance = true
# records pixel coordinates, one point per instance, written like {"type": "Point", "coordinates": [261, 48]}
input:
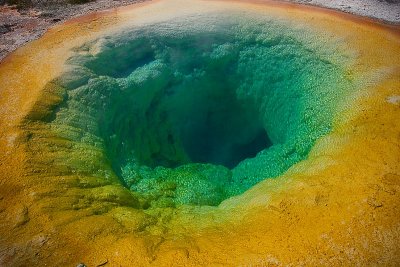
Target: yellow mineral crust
{"type": "Point", "coordinates": [340, 207]}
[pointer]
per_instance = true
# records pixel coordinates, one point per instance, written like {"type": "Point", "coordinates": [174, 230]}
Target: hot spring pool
{"type": "Point", "coordinates": [202, 133]}
{"type": "Point", "coordinates": [197, 109]}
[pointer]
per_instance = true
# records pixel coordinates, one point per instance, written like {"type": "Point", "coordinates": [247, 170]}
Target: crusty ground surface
{"type": "Point", "coordinates": [17, 27]}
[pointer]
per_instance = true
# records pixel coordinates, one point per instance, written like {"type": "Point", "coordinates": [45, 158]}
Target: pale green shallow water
{"type": "Point", "coordinates": [198, 110]}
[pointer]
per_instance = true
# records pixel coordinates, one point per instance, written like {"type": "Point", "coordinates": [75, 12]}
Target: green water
{"type": "Point", "coordinates": [198, 110]}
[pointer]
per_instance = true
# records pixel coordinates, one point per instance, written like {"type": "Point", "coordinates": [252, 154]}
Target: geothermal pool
{"type": "Point", "coordinates": [201, 108]}
{"type": "Point", "coordinates": [203, 133]}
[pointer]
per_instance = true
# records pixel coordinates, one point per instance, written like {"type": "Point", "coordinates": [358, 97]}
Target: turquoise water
{"type": "Point", "coordinates": [198, 110]}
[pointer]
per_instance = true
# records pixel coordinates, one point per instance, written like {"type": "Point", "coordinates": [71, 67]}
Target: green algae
{"type": "Point", "coordinates": [194, 113]}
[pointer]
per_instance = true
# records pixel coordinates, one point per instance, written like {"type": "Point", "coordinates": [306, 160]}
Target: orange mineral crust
{"type": "Point", "coordinates": [63, 203]}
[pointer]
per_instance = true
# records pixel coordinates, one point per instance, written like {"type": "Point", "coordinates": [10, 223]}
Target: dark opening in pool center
{"type": "Point", "coordinates": [194, 115]}
{"type": "Point", "coordinates": [197, 119]}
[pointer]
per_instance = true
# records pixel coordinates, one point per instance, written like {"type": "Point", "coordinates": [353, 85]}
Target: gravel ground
{"type": "Point", "coordinates": [32, 18]}
{"type": "Point", "coordinates": [21, 25]}
{"type": "Point", "coordinates": [385, 10]}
